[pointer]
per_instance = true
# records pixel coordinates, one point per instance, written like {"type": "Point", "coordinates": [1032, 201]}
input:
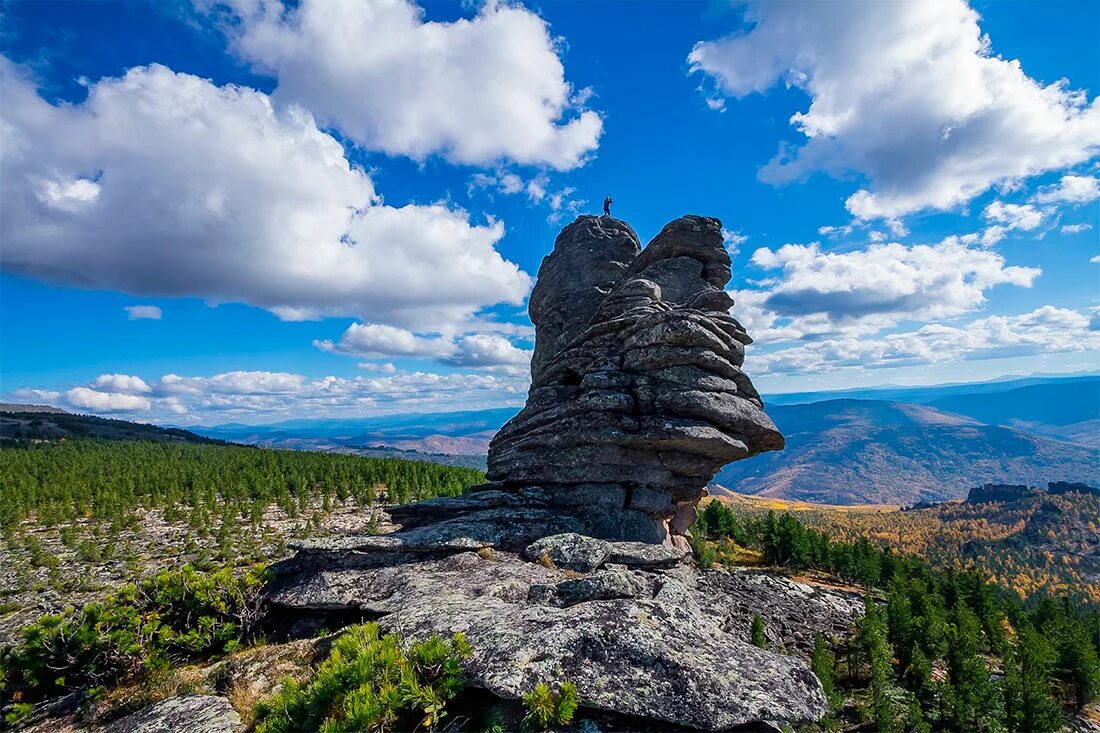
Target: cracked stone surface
{"type": "Point", "coordinates": [658, 639]}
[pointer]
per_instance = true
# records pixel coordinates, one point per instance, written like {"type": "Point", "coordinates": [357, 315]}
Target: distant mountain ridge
{"type": "Point", "coordinates": [852, 451]}
{"type": "Point", "coordinates": [456, 433]}
{"type": "Point", "coordinates": [38, 423]}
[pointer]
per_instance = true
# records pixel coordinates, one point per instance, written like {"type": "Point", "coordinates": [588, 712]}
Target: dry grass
{"type": "Point", "coordinates": [243, 697]}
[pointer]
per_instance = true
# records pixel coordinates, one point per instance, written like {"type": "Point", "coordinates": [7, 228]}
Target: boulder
{"type": "Point", "coordinates": [194, 714]}
{"type": "Point", "coordinates": [570, 551]}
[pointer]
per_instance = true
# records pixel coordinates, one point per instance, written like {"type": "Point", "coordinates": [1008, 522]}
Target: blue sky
{"type": "Point", "coordinates": [246, 212]}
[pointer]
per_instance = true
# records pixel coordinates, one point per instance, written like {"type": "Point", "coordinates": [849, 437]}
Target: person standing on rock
{"type": "Point", "coordinates": [607, 206]}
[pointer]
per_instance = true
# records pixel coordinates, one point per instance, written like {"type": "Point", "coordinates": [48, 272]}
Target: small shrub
{"type": "Point", "coordinates": [172, 616]}
{"type": "Point", "coordinates": [544, 708]}
{"type": "Point", "coordinates": [759, 638]}
{"type": "Point", "coordinates": [20, 711]}
{"type": "Point", "coordinates": [369, 683]}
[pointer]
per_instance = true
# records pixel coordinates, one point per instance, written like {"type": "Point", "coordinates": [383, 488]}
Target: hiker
{"type": "Point", "coordinates": [607, 206]}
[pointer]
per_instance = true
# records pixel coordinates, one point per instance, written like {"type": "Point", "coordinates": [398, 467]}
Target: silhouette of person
{"type": "Point", "coordinates": [607, 206]}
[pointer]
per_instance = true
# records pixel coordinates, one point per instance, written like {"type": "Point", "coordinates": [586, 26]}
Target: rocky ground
{"type": "Point", "coordinates": [650, 641]}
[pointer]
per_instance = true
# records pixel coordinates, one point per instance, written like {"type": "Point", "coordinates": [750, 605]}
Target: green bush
{"type": "Point", "coordinates": [172, 616]}
{"type": "Point", "coordinates": [544, 708]}
{"type": "Point", "coordinates": [370, 683]}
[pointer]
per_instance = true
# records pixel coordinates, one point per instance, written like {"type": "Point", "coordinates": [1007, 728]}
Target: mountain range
{"type": "Point", "coordinates": [857, 451]}
{"type": "Point", "coordinates": [891, 445]}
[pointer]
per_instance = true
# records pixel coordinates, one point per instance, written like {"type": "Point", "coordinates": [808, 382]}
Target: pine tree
{"type": "Point", "coordinates": [871, 638]}
{"type": "Point", "coordinates": [977, 702]}
{"type": "Point", "coordinates": [1029, 706]}
{"type": "Point", "coordinates": [758, 637]}
{"type": "Point", "coordinates": [823, 665]}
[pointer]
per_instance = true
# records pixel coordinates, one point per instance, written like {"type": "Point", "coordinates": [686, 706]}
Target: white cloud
{"type": "Point", "coordinates": [139, 312]}
{"type": "Point", "coordinates": [537, 189]}
{"type": "Point", "coordinates": [255, 383]}
{"type": "Point", "coordinates": [1070, 190]}
{"type": "Point", "coordinates": [1095, 260]}
{"type": "Point", "coordinates": [376, 339]}
{"type": "Point", "coordinates": [92, 399]}
{"type": "Point", "coordinates": [258, 395]}
{"type": "Point", "coordinates": [482, 350]}
{"type": "Point", "coordinates": [1045, 330]}
{"type": "Point", "coordinates": [383, 368]}
{"type": "Point", "coordinates": [866, 290]}
{"type": "Point", "coordinates": [1075, 228]}
{"type": "Point", "coordinates": [1013, 216]}
{"type": "Point", "coordinates": [471, 350]}
{"type": "Point", "coordinates": [907, 93]}
{"type": "Point", "coordinates": [123, 383]}
{"type": "Point", "coordinates": [213, 192]}
{"type": "Point", "coordinates": [474, 90]}
{"type": "Point", "coordinates": [733, 240]}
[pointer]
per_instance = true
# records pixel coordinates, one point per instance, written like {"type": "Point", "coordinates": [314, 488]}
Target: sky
{"type": "Point", "coordinates": [247, 211]}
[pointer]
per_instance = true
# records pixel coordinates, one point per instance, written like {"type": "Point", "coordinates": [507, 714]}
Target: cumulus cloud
{"type": "Point", "coordinates": [482, 350]}
{"type": "Point", "coordinates": [247, 395]}
{"type": "Point", "coordinates": [909, 94]}
{"type": "Point", "coordinates": [97, 401]}
{"type": "Point", "coordinates": [474, 90]}
{"type": "Point", "coordinates": [161, 183]}
{"type": "Point", "coordinates": [1045, 330]}
{"type": "Point", "coordinates": [1070, 190]}
{"type": "Point", "coordinates": [377, 339]}
{"type": "Point", "coordinates": [122, 383]}
{"type": "Point", "coordinates": [1013, 216]}
{"type": "Point", "coordinates": [863, 291]}
{"type": "Point", "coordinates": [472, 350]}
{"type": "Point", "coordinates": [139, 312]}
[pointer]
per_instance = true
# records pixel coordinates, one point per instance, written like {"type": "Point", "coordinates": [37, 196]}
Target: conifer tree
{"type": "Point", "coordinates": [1029, 705]}
{"type": "Point", "coordinates": [823, 665]}
{"type": "Point", "coordinates": [758, 637]}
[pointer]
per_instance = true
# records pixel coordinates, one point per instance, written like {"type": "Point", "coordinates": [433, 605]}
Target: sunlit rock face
{"type": "Point", "coordinates": [638, 395]}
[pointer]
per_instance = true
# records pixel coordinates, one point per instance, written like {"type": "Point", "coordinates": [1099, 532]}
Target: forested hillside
{"type": "Point", "coordinates": [32, 422]}
{"type": "Point", "coordinates": [1036, 543]}
{"type": "Point", "coordinates": [79, 517]}
{"type": "Point", "coordinates": [938, 650]}
{"type": "Point", "coordinates": [59, 482]}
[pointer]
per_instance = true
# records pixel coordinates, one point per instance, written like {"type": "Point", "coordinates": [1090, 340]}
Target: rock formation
{"type": "Point", "coordinates": [641, 634]}
{"type": "Point", "coordinates": [572, 563]}
{"type": "Point", "coordinates": [637, 394]}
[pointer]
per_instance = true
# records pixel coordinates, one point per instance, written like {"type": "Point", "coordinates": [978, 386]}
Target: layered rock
{"type": "Point", "coordinates": [637, 394]}
{"type": "Point", "coordinates": [639, 632]}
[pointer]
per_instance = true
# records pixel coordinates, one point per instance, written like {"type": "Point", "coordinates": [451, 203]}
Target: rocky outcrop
{"type": "Point", "coordinates": [637, 394]}
{"type": "Point", "coordinates": [573, 563]}
{"type": "Point", "coordinates": [638, 630]}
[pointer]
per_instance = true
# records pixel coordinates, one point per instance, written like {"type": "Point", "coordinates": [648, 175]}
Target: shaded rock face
{"type": "Point", "coordinates": [640, 633]}
{"type": "Point", "coordinates": [637, 393]}
{"type": "Point", "coordinates": [197, 714]}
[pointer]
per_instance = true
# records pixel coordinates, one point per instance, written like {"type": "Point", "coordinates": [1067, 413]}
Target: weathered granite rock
{"type": "Point", "coordinates": [195, 714]}
{"type": "Point", "coordinates": [636, 383]}
{"type": "Point", "coordinates": [570, 551]}
{"type": "Point", "coordinates": [657, 639]}
{"type": "Point", "coordinates": [793, 612]}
